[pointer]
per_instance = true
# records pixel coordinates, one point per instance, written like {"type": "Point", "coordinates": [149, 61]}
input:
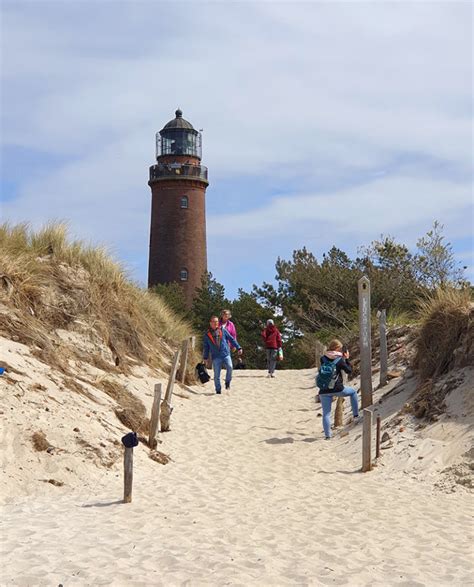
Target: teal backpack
{"type": "Point", "coordinates": [327, 375]}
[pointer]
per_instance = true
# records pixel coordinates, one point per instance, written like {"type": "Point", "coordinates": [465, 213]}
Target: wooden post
{"type": "Point", "coordinates": [383, 347]}
{"type": "Point", "coordinates": [184, 358]}
{"type": "Point", "coordinates": [155, 416]}
{"type": "Point", "coordinates": [166, 404]}
{"type": "Point", "coordinates": [193, 342]}
{"type": "Point", "coordinates": [377, 438]}
{"type": "Point", "coordinates": [365, 342]}
{"type": "Point", "coordinates": [366, 441]}
{"type": "Point", "coordinates": [128, 475]}
{"type": "Point", "coordinates": [339, 413]}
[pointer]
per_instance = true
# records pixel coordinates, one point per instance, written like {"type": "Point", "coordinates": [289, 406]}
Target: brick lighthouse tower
{"type": "Point", "coordinates": [178, 184]}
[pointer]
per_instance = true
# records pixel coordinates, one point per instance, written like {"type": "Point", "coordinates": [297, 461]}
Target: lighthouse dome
{"type": "Point", "coordinates": [178, 122]}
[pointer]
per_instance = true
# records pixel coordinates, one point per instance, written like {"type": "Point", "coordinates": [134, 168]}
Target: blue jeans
{"type": "Point", "coordinates": [326, 401]}
{"type": "Point", "coordinates": [217, 365]}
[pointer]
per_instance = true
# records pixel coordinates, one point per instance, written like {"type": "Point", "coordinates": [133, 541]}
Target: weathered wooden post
{"type": "Point", "coordinates": [166, 404]}
{"type": "Point", "coordinates": [377, 438]}
{"type": "Point", "coordinates": [339, 413]}
{"type": "Point", "coordinates": [129, 441]}
{"type": "Point", "coordinates": [365, 342]}
{"type": "Point", "coordinates": [184, 358]}
{"type": "Point", "coordinates": [193, 342]}
{"type": "Point", "coordinates": [128, 475]}
{"type": "Point", "coordinates": [155, 416]}
{"type": "Point", "coordinates": [367, 441]}
{"type": "Point", "coordinates": [382, 316]}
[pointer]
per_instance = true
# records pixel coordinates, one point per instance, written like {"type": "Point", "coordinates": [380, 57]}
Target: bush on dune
{"type": "Point", "coordinates": [445, 327]}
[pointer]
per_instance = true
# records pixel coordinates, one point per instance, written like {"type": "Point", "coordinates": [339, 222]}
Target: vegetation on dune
{"type": "Point", "coordinates": [48, 282]}
{"type": "Point", "coordinates": [445, 326]}
{"type": "Point", "coordinates": [316, 300]}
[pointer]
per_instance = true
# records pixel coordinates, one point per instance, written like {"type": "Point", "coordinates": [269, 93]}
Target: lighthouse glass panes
{"type": "Point", "coordinates": [183, 275]}
{"type": "Point", "coordinates": [179, 142]}
{"type": "Point", "coordinates": [184, 202]}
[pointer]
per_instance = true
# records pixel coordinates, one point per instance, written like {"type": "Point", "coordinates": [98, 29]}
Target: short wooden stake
{"type": "Point", "coordinates": [128, 475]}
{"type": "Point", "coordinates": [377, 439]}
{"type": "Point", "coordinates": [339, 413]}
{"type": "Point", "coordinates": [383, 347]}
{"type": "Point", "coordinates": [366, 441]}
{"type": "Point", "coordinates": [155, 417]}
{"type": "Point", "coordinates": [184, 358]}
{"type": "Point", "coordinates": [166, 404]}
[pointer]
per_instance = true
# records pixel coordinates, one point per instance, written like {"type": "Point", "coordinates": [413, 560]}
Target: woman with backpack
{"type": "Point", "coordinates": [329, 380]}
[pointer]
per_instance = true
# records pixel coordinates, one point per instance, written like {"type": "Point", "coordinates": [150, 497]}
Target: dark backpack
{"type": "Point", "coordinates": [327, 374]}
{"type": "Point", "coordinates": [202, 373]}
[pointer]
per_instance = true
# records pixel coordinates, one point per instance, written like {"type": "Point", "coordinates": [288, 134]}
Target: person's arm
{"type": "Point", "coordinates": [344, 365]}
{"type": "Point", "coordinates": [279, 339]}
{"type": "Point", "coordinates": [264, 335]}
{"type": "Point", "coordinates": [232, 340]}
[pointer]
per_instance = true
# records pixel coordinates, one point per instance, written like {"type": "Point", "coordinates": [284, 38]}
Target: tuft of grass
{"type": "Point", "coordinates": [400, 318]}
{"type": "Point", "coordinates": [40, 442]}
{"type": "Point", "coordinates": [48, 281]}
{"type": "Point", "coordinates": [445, 318]}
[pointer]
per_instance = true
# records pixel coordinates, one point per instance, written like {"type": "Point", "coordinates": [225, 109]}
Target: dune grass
{"type": "Point", "coordinates": [445, 319]}
{"type": "Point", "coordinates": [48, 281]}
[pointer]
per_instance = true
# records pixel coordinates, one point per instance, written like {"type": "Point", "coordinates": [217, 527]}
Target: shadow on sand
{"type": "Point", "coordinates": [101, 504]}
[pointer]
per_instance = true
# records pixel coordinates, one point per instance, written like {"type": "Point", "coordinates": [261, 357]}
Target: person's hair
{"type": "Point", "coordinates": [226, 312]}
{"type": "Point", "coordinates": [335, 345]}
{"type": "Point", "coordinates": [213, 318]}
{"type": "Point", "coordinates": [270, 322]}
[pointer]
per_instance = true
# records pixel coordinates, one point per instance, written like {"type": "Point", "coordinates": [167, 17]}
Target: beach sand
{"type": "Point", "coordinates": [253, 495]}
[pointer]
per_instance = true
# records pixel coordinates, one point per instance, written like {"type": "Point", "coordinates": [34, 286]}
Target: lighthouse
{"type": "Point", "coordinates": [178, 185]}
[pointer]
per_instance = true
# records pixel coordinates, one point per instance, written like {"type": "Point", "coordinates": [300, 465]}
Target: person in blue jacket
{"type": "Point", "coordinates": [217, 342]}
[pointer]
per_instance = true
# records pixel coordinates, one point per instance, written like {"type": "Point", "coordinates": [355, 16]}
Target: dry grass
{"type": "Point", "coordinates": [445, 321]}
{"type": "Point", "coordinates": [40, 442]}
{"type": "Point", "coordinates": [49, 282]}
{"type": "Point", "coordinates": [130, 410]}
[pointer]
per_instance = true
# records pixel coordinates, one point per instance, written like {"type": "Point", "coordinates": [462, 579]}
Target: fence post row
{"type": "Point", "coordinates": [365, 342]}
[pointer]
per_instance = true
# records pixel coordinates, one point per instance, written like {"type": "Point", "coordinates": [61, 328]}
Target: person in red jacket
{"type": "Point", "coordinates": [272, 337]}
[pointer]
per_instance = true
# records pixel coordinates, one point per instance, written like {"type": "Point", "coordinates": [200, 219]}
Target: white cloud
{"type": "Point", "coordinates": [290, 92]}
{"type": "Point", "coordinates": [397, 206]}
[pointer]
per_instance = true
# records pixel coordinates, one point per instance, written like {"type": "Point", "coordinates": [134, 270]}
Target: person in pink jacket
{"type": "Point", "coordinates": [226, 323]}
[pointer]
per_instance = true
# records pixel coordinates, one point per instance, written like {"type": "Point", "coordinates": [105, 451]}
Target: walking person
{"type": "Point", "coordinates": [226, 323]}
{"type": "Point", "coordinates": [216, 344]}
{"type": "Point", "coordinates": [329, 380]}
{"type": "Point", "coordinates": [272, 337]}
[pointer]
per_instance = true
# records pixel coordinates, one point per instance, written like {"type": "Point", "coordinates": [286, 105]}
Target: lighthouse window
{"type": "Point", "coordinates": [184, 202]}
{"type": "Point", "coordinates": [183, 275]}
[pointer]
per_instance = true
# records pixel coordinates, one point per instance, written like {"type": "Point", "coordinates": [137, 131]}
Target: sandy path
{"type": "Point", "coordinates": [254, 496]}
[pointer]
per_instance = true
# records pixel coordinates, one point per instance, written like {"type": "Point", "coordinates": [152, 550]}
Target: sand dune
{"type": "Point", "coordinates": [254, 496]}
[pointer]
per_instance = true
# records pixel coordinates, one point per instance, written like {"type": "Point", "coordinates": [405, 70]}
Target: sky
{"type": "Point", "coordinates": [324, 123]}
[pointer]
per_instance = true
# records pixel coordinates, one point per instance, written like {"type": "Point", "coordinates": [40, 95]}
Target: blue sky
{"type": "Point", "coordinates": [324, 123]}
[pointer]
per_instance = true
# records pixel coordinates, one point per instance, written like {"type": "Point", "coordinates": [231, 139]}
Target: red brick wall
{"type": "Point", "coordinates": [177, 235]}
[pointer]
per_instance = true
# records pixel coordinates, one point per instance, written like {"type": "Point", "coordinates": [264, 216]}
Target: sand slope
{"type": "Point", "coordinates": [254, 496]}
